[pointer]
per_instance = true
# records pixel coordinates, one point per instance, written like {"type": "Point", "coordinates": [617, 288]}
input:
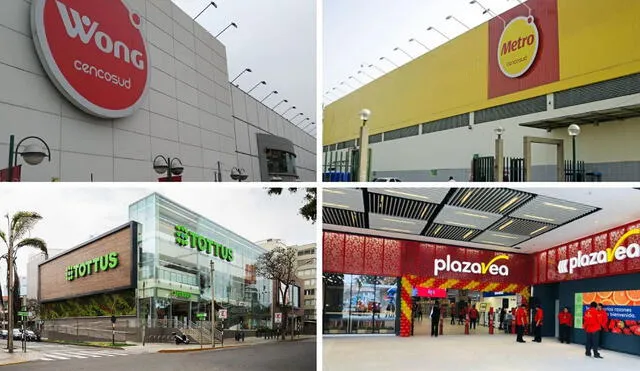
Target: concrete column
{"type": "Point", "coordinates": [364, 154]}
{"type": "Point", "coordinates": [499, 164]}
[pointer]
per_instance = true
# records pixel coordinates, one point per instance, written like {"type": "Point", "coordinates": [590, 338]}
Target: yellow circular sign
{"type": "Point", "coordinates": [518, 46]}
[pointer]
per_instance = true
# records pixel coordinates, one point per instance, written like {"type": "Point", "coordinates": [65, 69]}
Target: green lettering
{"type": "Point", "coordinates": [88, 264]}
{"type": "Point", "coordinates": [230, 255]}
{"type": "Point", "coordinates": [193, 236]}
{"type": "Point", "coordinates": [217, 252]}
{"type": "Point", "coordinates": [209, 244]}
{"type": "Point", "coordinates": [104, 263]}
{"type": "Point", "coordinates": [82, 269]}
{"type": "Point", "coordinates": [75, 271]}
{"type": "Point", "coordinates": [95, 264]}
{"type": "Point", "coordinates": [202, 243]}
{"type": "Point", "coordinates": [113, 260]}
{"type": "Point", "coordinates": [223, 252]}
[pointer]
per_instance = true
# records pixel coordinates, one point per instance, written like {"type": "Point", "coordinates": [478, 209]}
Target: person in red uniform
{"type": "Point", "coordinates": [473, 317]}
{"type": "Point", "coordinates": [604, 321]}
{"type": "Point", "coordinates": [564, 318]}
{"type": "Point", "coordinates": [521, 322]}
{"type": "Point", "coordinates": [539, 316]}
{"type": "Point", "coordinates": [592, 326]}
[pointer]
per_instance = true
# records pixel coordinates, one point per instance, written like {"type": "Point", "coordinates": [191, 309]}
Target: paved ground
{"type": "Point", "coordinates": [479, 352]}
{"type": "Point", "coordinates": [293, 356]}
{"type": "Point", "coordinates": [52, 352]}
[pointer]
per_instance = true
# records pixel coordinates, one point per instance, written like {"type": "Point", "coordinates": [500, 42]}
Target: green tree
{"type": "Point", "coordinates": [280, 265]}
{"type": "Point", "coordinates": [15, 238]}
{"type": "Point", "coordinates": [308, 210]}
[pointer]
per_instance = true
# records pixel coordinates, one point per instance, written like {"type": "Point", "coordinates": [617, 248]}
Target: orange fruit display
{"type": "Point", "coordinates": [604, 295]}
{"type": "Point", "coordinates": [633, 295]}
{"type": "Point", "coordinates": [607, 302]}
{"type": "Point", "coordinates": [588, 297]}
{"type": "Point", "coordinates": [620, 298]}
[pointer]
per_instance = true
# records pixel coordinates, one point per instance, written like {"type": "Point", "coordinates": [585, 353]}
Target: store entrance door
{"type": "Point", "coordinates": [180, 311]}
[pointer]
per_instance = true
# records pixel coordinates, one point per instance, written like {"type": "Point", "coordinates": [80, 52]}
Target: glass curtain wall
{"type": "Point", "coordinates": [175, 280]}
{"type": "Point", "coordinates": [359, 304]}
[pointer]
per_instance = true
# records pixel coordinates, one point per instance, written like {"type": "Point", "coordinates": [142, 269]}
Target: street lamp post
{"type": "Point", "coordinates": [32, 154]}
{"type": "Point", "coordinates": [282, 101]}
{"type": "Point", "coordinates": [213, 309]}
{"type": "Point", "coordinates": [258, 84]}
{"type": "Point", "coordinates": [226, 28]}
{"type": "Point", "coordinates": [364, 146]}
{"type": "Point", "coordinates": [574, 131]}
{"type": "Point", "coordinates": [268, 95]}
{"type": "Point", "coordinates": [170, 166]}
{"type": "Point", "coordinates": [238, 174]}
{"type": "Point", "coordinates": [10, 286]}
{"type": "Point", "coordinates": [499, 167]}
{"type": "Point", "coordinates": [205, 9]}
{"type": "Point", "coordinates": [241, 73]}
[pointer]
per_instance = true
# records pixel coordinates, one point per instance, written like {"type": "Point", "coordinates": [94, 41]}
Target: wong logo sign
{"type": "Point", "coordinates": [492, 268]}
{"type": "Point", "coordinates": [94, 52]}
{"type": "Point", "coordinates": [518, 46]}
{"type": "Point", "coordinates": [617, 252]}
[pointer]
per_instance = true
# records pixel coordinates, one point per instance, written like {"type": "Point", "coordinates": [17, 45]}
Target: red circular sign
{"type": "Point", "coordinates": [94, 52]}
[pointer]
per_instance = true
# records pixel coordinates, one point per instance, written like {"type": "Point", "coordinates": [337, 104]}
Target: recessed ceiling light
{"type": "Point", "coordinates": [399, 221]}
{"type": "Point", "coordinates": [467, 235]}
{"type": "Point", "coordinates": [396, 230]}
{"type": "Point", "coordinates": [560, 206]}
{"type": "Point", "coordinates": [334, 191]}
{"type": "Point", "coordinates": [437, 230]}
{"type": "Point", "coordinates": [328, 204]}
{"type": "Point", "coordinates": [503, 236]}
{"type": "Point", "coordinates": [493, 243]}
{"type": "Point", "coordinates": [538, 230]}
{"type": "Point", "coordinates": [505, 225]}
{"type": "Point", "coordinates": [509, 203]}
{"type": "Point", "coordinates": [424, 211]}
{"type": "Point", "coordinates": [538, 217]}
{"type": "Point", "coordinates": [473, 215]}
{"type": "Point", "coordinates": [462, 224]}
{"type": "Point", "coordinates": [406, 194]}
{"type": "Point", "coordinates": [466, 196]}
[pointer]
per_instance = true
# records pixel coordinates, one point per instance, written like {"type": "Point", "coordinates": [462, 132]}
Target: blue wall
{"type": "Point", "coordinates": [565, 291]}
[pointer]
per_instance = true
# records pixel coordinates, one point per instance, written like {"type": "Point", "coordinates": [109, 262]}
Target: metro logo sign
{"type": "Point", "coordinates": [519, 46]}
{"type": "Point", "coordinates": [524, 48]}
{"type": "Point", "coordinates": [618, 252]}
{"type": "Point", "coordinates": [94, 52]}
{"type": "Point", "coordinates": [447, 265]}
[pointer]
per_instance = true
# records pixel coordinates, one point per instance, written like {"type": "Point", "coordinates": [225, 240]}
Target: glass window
{"type": "Point", "coordinates": [280, 162]}
{"type": "Point", "coordinates": [359, 304]}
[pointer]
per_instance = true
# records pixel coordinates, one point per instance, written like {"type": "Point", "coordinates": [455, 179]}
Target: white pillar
{"type": "Point", "coordinates": [364, 154]}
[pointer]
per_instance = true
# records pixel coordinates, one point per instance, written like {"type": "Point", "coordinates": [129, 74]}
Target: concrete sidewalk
{"type": "Point", "coordinates": [17, 357]}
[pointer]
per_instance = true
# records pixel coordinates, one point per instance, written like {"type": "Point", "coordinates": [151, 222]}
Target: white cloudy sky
{"type": "Point", "coordinates": [73, 213]}
{"type": "Point", "coordinates": [276, 39]}
{"type": "Point", "coordinates": [362, 31]}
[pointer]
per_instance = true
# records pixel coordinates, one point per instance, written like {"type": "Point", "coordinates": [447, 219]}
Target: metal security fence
{"type": "Point", "coordinates": [342, 166]}
{"type": "Point", "coordinates": [484, 170]}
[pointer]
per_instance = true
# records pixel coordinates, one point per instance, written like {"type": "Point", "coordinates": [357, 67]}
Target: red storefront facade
{"type": "Point", "coordinates": [426, 265]}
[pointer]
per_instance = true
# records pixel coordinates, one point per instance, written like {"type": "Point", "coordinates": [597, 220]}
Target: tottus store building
{"type": "Point", "coordinates": [604, 267]}
{"type": "Point", "coordinates": [154, 272]}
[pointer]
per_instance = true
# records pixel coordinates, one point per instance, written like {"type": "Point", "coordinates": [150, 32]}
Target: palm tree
{"type": "Point", "coordinates": [16, 237]}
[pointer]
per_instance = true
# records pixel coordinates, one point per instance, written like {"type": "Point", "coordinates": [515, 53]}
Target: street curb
{"type": "Point", "coordinates": [226, 347]}
{"type": "Point", "coordinates": [200, 350]}
{"type": "Point", "coordinates": [12, 363]}
{"type": "Point", "coordinates": [85, 345]}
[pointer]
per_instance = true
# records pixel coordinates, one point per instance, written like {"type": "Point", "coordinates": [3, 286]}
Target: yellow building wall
{"type": "Point", "coordinates": [598, 40]}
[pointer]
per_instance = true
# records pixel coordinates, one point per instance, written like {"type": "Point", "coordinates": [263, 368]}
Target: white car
{"type": "Point", "coordinates": [387, 180]}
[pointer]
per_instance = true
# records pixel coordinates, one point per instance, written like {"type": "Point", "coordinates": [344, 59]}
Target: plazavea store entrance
{"type": "Point", "coordinates": [390, 256]}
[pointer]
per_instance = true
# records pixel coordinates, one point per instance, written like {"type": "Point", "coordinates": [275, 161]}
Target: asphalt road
{"type": "Point", "coordinates": [299, 355]}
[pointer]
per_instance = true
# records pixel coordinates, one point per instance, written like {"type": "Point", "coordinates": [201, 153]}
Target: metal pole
{"type": "Point", "coordinates": [10, 279]}
{"type": "Point", "coordinates": [10, 168]}
{"type": "Point", "coordinates": [364, 151]}
{"type": "Point", "coordinates": [113, 334]}
{"type": "Point", "coordinates": [213, 309]}
{"type": "Point", "coordinates": [575, 174]}
{"type": "Point", "coordinates": [168, 159]}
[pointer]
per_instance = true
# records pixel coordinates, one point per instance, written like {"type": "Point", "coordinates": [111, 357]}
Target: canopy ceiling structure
{"type": "Point", "coordinates": [504, 219]}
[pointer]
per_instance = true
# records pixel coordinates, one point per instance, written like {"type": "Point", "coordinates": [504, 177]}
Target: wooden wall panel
{"type": "Point", "coordinates": [53, 284]}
